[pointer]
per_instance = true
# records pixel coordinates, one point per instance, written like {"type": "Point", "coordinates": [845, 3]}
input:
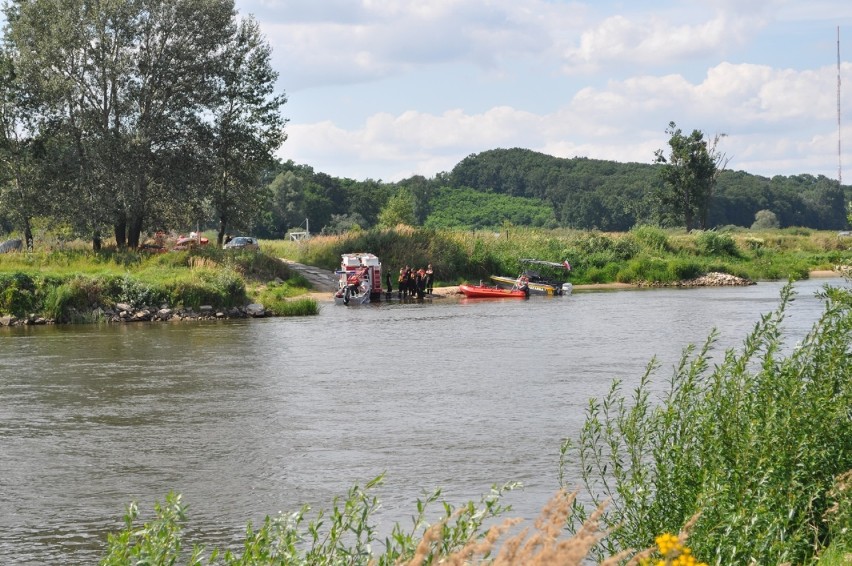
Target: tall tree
{"type": "Point", "coordinates": [247, 127]}
{"type": "Point", "coordinates": [19, 196]}
{"type": "Point", "coordinates": [689, 176]}
{"type": "Point", "coordinates": [132, 81]}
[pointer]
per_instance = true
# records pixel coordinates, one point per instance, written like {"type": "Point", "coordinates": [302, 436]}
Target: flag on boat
{"type": "Point", "coordinates": [566, 265]}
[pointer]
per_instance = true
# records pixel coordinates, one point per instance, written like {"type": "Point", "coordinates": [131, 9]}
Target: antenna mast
{"type": "Point", "coordinates": [839, 161]}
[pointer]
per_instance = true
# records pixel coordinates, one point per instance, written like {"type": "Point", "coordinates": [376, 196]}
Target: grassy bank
{"type": "Point", "coordinates": [69, 282]}
{"type": "Point", "coordinates": [69, 285]}
{"type": "Point", "coordinates": [645, 254]}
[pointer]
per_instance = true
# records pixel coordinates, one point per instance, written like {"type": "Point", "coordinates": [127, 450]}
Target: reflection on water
{"type": "Point", "coordinates": [248, 418]}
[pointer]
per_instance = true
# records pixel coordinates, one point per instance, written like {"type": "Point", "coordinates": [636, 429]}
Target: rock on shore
{"type": "Point", "coordinates": [712, 279]}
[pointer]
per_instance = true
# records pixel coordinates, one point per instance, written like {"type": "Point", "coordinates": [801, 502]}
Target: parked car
{"type": "Point", "coordinates": [188, 242]}
{"type": "Point", "coordinates": [242, 243]}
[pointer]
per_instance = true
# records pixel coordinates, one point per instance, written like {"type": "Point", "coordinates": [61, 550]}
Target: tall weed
{"type": "Point", "coordinates": [753, 444]}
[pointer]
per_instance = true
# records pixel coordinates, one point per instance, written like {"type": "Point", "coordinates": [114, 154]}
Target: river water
{"type": "Point", "coordinates": [249, 418]}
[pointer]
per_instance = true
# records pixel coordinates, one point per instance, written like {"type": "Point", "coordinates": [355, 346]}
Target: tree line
{"type": "Point", "coordinates": [526, 188]}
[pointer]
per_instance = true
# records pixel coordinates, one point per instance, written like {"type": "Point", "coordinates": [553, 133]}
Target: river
{"type": "Point", "coordinates": [249, 418]}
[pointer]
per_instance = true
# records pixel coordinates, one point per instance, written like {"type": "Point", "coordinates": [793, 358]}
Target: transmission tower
{"type": "Point", "coordinates": [839, 160]}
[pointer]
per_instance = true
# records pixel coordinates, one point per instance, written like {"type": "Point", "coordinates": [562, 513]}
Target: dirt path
{"type": "Point", "coordinates": [322, 280]}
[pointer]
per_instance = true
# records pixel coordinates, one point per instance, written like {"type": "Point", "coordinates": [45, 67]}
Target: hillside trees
{"type": "Point", "coordinates": [298, 193]}
{"type": "Point", "coordinates": [689, 175]}
{"type": "Point", "coordinates": [398, 210]}
{"type": "Point", "coordinates": [139, 92]}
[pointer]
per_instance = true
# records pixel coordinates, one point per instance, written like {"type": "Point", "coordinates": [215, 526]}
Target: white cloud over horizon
{"type": "Point", "coordinates": [387, 89]}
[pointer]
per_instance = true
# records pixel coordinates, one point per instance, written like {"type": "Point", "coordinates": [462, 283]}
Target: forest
{"type": "Point", "coordinates": [520, 187]}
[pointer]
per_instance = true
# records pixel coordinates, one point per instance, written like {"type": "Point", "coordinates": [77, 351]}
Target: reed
{"type": "Point", "coordinates": [645, 254]}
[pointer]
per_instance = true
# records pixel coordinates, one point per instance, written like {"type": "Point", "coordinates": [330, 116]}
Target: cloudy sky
{"type": "Point", "coordinates": [387, 89]}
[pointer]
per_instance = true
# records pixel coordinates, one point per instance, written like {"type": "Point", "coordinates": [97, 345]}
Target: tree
{"type": "Point", "coordinates": [765, 220]}
{"type": "Point", "coordinates": [247, 127]}
{"type": "Point", "coordinates": [133, 86]}
{"type": "Point", "coordinates": [398, 210]}
{"type": "Point", "coordinates": [18, 194]}
{"type": "Point", "coordinates": [689, 176]}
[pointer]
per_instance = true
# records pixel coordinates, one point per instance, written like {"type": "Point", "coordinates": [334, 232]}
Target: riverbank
{"type": "Point", "coordinates": [709, 280]}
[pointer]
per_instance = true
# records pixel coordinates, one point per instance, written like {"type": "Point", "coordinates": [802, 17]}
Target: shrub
{"type": "Point", "coordinates": [838, 516]}
{"type": "Point", "coordinates": [645, 269]}
{"type": "Point", "coordinates": [135, 293]}
{"type": "Point", "coordinates": [653, 238]}
{"type": "Point", "coordinates": [603, 274]}
{"type": "Point", "coordinates": [683, 269]}
{"type": "Point", "coordinates": [59, 300]}
{"type": "Point", "coordinates": [594, 242]}
{"type": "Point", "coordinates": [17, 294]}
{"type": "Point", "coordinates": [713, 243]}
{"type": "Point", "coordinates": [755, 244]}
{"type": "Point", "coordinates": [625, 248]}
{"type": "Point", "coordinates": [344, 535]}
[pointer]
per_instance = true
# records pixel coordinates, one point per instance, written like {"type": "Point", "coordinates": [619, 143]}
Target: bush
{"type": "Point", "coordinates": [344, 535]}
{"type": "Point", "coordinates": [684, 269]}
{"type": "Point", "coordinates": [653, 238]}
{"type": "Point", "coordinates": [645, 269]}
{"type": "Point", "coordinates": [73, 301]}
{"type": "Point", "coordinates": [753, 444]}
{"type": "Point", "coordinates": [17, 294]}
{"type": "Point", "coordinates": [625, 248]}
{"type": "Point", "coordinates": [713, 243]}
{"type": "Point", "coordinates": [137, 294]}
{"type": "Point", "coordinates": [595, 242]}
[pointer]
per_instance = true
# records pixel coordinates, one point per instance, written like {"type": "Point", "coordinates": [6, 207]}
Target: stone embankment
{"type": "Point", "coordinates": [712, 279]}
{"type": "Point", "coordinates": [123, 312]}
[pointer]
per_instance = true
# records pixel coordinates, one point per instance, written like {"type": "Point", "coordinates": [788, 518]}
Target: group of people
{"type": "Point", "coordinates": [413, 282]}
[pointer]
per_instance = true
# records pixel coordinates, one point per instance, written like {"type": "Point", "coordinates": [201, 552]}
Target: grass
{"type": "Point", "coordinates": [69, 284]}
{"type": "Point", "coordinates": [31, 282]}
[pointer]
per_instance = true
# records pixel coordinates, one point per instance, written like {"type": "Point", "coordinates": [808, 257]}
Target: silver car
{"type": "Point", "coordinates": [242, 243]}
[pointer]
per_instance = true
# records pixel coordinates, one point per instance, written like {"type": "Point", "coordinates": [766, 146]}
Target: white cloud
{"type": "Point", "coordinates": [650, 40]}
{"type": "Point", "coordinates": [775, 118]}
{"type": "Point", "coordinates": [391, 88]}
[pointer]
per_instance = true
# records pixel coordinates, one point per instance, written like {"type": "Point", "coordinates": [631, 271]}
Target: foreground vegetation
{"type": "Point", "coordinates": [71, 284]}
{"type": "Point", "coordinates": [645, 254]}
{"type": "Point", "coordinates": [752, 460]}
{"type": "Point", "coordinates": [758, 445]}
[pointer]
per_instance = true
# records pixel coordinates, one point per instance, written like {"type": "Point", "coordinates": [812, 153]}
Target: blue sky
{"type": "Point", "coordinates": [387, 89]}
